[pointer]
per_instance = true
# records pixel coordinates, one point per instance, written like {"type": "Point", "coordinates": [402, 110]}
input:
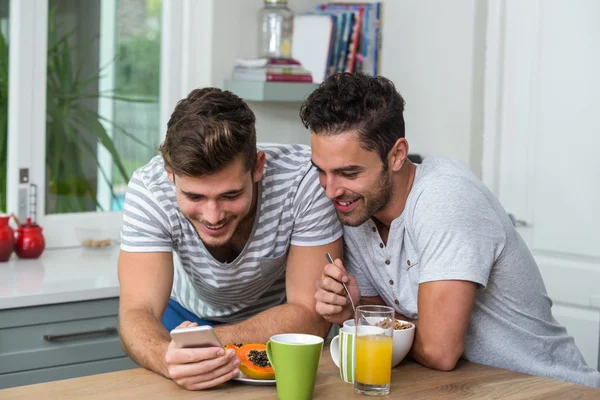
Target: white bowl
{"type": "Point", "coordinates": [97, 238]}
{"type": "Point", "coordinates": [402, 341]}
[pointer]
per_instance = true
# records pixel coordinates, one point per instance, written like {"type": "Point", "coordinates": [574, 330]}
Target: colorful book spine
{"type": "Point", "coordinates": [283, 61]}
{"type": "Point", "coordinates": [363, 53]}
{"type": "Point", "coordinates": [377, 39]}
{"type": "Point", "coordinates": [288, 78]}
{"type": "Point", "coordinates": [354, 40]}
{"type": "Point", "coordinates": [272, 77]}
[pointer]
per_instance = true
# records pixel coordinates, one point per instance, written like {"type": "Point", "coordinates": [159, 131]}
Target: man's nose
{"type": "Point", "coordinates": [213, 214]}
{"type": "Point", "coordinates": [331, 189]}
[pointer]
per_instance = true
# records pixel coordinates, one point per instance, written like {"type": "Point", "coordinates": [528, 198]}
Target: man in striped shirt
{"type": "Point", "coordinates": [250, 227]}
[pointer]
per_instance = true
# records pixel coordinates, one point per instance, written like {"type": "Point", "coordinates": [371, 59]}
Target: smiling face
{"type": "Point", "coordinates": [216, 204]}
{"type": "Point", "coordinates": [355, 179]}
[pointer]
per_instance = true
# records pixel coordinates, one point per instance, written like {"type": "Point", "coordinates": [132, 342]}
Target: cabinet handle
{"type": "Point", "coordinates": [81, 335]}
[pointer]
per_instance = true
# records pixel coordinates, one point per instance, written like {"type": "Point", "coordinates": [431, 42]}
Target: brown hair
{"type": "Point", "coordinates": [208, 130]}
{"type": "Point", "coordinates": [368, 104]}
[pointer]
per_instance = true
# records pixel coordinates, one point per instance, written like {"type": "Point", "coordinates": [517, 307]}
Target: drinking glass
{"type": "Point", "coordinates": [374, 337]}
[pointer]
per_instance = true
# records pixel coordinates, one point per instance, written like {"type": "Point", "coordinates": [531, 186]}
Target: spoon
{"type": "Point", "coordinates": [345, 287]}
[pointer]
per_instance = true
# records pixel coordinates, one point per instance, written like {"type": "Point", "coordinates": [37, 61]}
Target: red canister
{"type": "Point", "coordinates": [30, 240]}
{"type": "Point", "coordinates": [7, 238]}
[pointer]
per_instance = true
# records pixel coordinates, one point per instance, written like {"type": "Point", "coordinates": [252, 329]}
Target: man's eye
{"type": "Point", "coordinates": [350, 175]}
{"type": "Point", "coordinates": [193, 198]}
{"type": "Point", "coordinates": [232, 197]}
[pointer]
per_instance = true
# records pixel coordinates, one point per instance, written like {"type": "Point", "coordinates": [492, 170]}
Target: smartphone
{"type": "Point", "coordinates": [196, 336]}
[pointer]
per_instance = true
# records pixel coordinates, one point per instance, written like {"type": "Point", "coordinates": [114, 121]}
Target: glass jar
{"type": "Point", "coordinates": [275, 29]}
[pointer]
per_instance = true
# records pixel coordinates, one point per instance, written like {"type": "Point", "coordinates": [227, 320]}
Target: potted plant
{"type": "Point", "coordinates": [74, 128]}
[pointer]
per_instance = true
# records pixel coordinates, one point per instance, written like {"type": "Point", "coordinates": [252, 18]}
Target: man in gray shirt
{"type": "Point", "coordinates": [430, 240]}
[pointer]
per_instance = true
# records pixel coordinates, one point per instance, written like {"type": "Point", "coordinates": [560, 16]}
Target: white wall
{"type": "Point", "coordinates": [432, 50]}
{"type": "Point", "coordinates": [236, 37]}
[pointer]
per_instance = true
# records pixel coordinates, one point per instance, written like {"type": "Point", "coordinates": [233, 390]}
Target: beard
{"type": "Point", "coordinates": [214, 241]}
{"type": "Point", "coordinates": [374, 201]}
{"type": "Point", "coordinates": [236, 228]}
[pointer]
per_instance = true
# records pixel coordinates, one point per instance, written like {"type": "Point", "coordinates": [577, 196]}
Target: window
{"type": "Point", "coordinates": [136, 108]}
{"type": "Point", "coordinates": [4, 9]}
{"type": "Point", "coordinates": [103, 76]}
{"type": "Point", "coordinates": [91, 86]}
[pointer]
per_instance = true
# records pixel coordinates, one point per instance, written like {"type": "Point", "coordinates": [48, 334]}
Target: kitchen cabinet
{"type": "Point", "coordinates": [59, 341]}
{"type": "Point", "coordinates": [58, 316]}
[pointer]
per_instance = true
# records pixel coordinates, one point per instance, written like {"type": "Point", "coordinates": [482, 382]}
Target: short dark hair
{"type": "Point", "coordinates": [371, 105]}
{"type": "Point", "coordinates": [208, 130]}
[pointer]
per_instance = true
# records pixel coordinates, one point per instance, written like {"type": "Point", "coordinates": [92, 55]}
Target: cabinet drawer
{"type": "Point", "coordinates": [59, 334]}
{"type": "Point", "coordinates": [58, 312]}
{"type": "Point", "coordinates": [59, 343]}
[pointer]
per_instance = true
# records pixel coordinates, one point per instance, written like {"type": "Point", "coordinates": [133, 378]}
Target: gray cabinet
{"type": "Point", "coordinates": [59, 341]}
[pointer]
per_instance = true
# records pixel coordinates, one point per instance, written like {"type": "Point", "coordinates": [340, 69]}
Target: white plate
{"type": "Point", "coordinates": [259, 382]}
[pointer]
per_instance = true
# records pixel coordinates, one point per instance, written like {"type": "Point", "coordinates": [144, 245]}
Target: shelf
{"type": "Point", "coordinates": [271, 91]}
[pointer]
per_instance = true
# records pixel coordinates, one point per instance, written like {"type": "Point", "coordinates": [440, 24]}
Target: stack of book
{"type": "Point", "coordinates": [339, 37]}
{"type": "Point", "coordinates": [355, 43]}
{"type": "Point", "coordinates": [271, 70]}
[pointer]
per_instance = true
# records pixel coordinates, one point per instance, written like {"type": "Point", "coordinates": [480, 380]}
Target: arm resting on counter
{"type": "Point", "coordinates": [146, 280]}
{"type": "Point", "coordinates": [304, 268]}
{"type": "Point", "coordinates": [444, 313]}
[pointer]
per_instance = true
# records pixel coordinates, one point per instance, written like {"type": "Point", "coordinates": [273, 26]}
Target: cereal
{"type": "Point", "coordinates": [398, 326]}
{"type": "Point", "coordinates": [96, 243]}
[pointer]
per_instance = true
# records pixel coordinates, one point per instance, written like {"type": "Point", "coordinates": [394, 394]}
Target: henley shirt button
{"type": "Point", "coordinates": [397, 302]}
{"type": "Point", "coordinates": [387, 262]}
{"type": "Point", "coordinates": [391, 282]}
{"type": "Point", "coordinates": [408, 262]}
{"type": "Point", "coordinates": [374, 229]}
{"type": "Point", "coordinates": [381, 245]}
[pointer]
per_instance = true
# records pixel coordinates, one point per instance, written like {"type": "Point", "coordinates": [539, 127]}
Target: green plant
{"type": "Point", "coordinates": [137, 66]}
{"type": "Point", "coordinates": [74, 129]}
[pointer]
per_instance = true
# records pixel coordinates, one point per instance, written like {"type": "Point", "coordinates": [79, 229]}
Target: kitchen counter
{"type": "Point", "coordinates": [409, 381]}
{"type": "Point", "coordinates": [59, 276]}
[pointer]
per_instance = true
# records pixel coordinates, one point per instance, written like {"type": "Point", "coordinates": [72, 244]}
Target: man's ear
{"type": "Point", "coordinates": [259, 168]}
{"type": "Point", "coordinates": [170, 175]}
{"type": "Point", "coordinates": [398, 154]}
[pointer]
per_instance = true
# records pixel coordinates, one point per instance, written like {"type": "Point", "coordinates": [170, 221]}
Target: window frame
{"type": "Point", "coordinates": [185, 42]}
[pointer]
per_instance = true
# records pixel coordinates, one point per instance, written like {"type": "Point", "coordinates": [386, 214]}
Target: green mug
{"type": "Point", "coordinates": [295, 358]}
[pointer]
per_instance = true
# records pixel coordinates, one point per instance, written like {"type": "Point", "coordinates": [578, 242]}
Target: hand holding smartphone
{"type": "Point", "coordinates": [196, 359]}
{"type": "Point", "coordinates": [195, 337]}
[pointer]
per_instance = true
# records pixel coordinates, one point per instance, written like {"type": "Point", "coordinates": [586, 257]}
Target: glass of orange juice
{"type": "Point", "coordinates": [373, 354]}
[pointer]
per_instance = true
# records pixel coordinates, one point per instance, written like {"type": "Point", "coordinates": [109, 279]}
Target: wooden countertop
{"type": "Point", "coordinates": [409, 381]}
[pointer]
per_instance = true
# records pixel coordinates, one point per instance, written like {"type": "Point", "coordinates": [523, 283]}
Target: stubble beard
{"type": "Point", "coordinates": [373, 202]}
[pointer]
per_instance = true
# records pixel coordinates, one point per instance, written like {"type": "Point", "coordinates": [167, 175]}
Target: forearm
{"type": "Point", "coordinates": [286, 318]}
{"type": "Point", "coordinates": [144, 339]}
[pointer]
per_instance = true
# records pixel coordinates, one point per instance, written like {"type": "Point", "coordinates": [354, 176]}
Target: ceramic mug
{"type": "Point", "coordinates": [349, 323]}
{"type": "Point", "coordinates": [295, 358]}
{"type": "Point", "coordinates": [342, 353]}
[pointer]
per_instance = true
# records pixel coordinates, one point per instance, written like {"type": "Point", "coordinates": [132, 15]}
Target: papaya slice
{"type": "Point", "coordinates": [254, 362]}
{"type": "Point", "coordinates": [233, 346]}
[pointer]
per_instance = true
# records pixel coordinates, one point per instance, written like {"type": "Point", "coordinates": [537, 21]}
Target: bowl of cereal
{"type": "Point", "coordinates": [404, 334]}
{"type": "Point", "coordinates": [97, 238]}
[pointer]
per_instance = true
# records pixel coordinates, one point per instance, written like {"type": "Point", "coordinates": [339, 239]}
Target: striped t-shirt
{"type": "Point", "coordinates": [291, 210]}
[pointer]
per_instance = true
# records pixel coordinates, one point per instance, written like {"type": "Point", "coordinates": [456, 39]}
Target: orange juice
{"type": "Point", "coordinates": [373, 359]}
